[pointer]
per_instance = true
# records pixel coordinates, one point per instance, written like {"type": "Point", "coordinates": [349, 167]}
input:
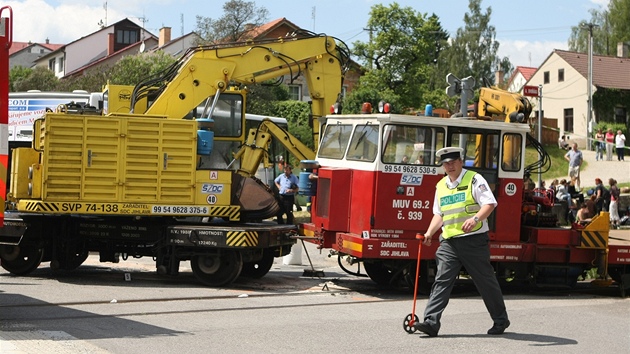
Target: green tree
{"type": "Point", "coordinates": [370, 89]}
{"type": "Point", "coordinates": [474, 49]}
{"type": "Point", "coordinates": [39, 78]}
{"type": "Point", "coordinates": [619, 15]}
{"type": "Point", "coordinates": [400, 57]}
{"type": "Point", "coordinates": [18, 73]}
{"type": "Point", "coordinates": [91, 81]}
{"type": "Point", "coordinates": [602, 41]}
{"type": "Point", "coordinates": [262, 98]}
{"type": "Point", "coordinates": [239, 18]}
{"type": "Point", "coordinates": [132, 69]}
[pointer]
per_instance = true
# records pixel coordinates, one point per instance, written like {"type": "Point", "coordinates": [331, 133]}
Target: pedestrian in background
{"type": "Point", "coordinates": [287, 185]}
{"type": "Point", "coordinates": [575, 158]}
{"type": "Point", "coordinates": [600, 145]}
{"type": "Point", "coordinates": [610, 143]}
{"type": "Point", "coordinates": [620, 144]}
{"type": "Point", "coordinates": [600, 194]}
{"type": "Point", "coordinates": [562, 193]}
{"type": "Point", "coordinates": [462, 203]}
{"type": "Point", "coordinates": [614, 198]}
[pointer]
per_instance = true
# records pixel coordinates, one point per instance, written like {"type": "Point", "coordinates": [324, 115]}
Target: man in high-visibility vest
{"type": "Point", "coordinates": [463, 201]}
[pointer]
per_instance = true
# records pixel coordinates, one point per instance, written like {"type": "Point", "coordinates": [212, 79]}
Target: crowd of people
{"type": "Point", "coordinates": [581, 208]}
{"type": "Point", "coordinates": [607, 142]}
{"type": "Point", "coordinates": [584, 205]}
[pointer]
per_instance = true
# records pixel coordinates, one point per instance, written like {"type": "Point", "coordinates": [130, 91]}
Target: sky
{"type": "Point", "coordinates": [527, 31]}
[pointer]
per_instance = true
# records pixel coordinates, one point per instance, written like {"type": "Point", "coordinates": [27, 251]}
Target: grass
{"type": "Point", "coordinates": [559, 165]}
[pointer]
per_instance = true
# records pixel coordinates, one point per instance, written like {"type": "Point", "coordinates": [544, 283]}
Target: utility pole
{"type": "Point", "coordinates": [371, 51]}
{"type": "Point", "coordinates": [589, 116]}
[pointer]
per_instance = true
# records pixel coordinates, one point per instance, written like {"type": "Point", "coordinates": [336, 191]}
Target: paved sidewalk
{"type": "Point", "coordinates": [619, 170]}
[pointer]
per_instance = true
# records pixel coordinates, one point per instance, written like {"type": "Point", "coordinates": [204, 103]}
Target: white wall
{"type": "Point", "coordinates": [558, 96]}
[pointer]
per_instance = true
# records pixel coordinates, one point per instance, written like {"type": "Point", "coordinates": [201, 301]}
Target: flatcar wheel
{"type": "Point", "coordinates": [217, 269]}
{"type": "Point", "coordinates": [378, 273]}
{"type": "Point", "coordinates": [73, 260]}
{"type": "Point", "coordinates": [20, 260]}
{"type": "Point", "coordinates": [407, 323]}
{"type": "Point", "coordinates": [260, 268]}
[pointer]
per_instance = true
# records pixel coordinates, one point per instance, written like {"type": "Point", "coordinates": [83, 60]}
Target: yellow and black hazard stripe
{"type": "Point", "coordinates": [232, 212]}
{"type": "Point", "coordinates": [594, 239]}
{"type": "Point", "coordinates": [242, 238]}
{"type": "Point", "coordinates": [41, 207]}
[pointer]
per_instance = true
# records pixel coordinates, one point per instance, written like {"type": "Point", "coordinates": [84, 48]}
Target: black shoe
{"type": "Point", "coordinates": [499, 328]}
{"type": "Point", "coordinates": [425, 328]}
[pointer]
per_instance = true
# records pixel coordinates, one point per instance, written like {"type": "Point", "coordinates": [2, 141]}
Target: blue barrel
{"type": "Point", "coordinates": [307, 186]}
{"type": "Point", "coordinates": [428, 110]}
{"type": "Point", "coordinates": [205, 142]}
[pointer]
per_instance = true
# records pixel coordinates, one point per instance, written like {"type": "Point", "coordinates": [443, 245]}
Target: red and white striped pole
{"type": "Point", "coordinates": [6, 40]}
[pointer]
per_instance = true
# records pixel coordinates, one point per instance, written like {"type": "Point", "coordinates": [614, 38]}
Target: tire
{"type": "Point", "coordinates": [217, 269]}
{"type": "Point", "coordinates": [260, 268]}
{"type": "Point", "coordinates": [20, 260]}
{"type": "Point", "coordinates": [73, 261]}
{"type": "Point", "coordinates": [378, 273]}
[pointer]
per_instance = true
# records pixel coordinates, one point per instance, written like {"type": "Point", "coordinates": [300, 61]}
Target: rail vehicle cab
{"type": "Point", "coordinates": [379, 172]}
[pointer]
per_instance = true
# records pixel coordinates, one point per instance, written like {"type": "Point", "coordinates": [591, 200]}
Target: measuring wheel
{"type": "Point", "coordinates": [412, 318]}
{"type": "Point", "coordinates": [408, 323]}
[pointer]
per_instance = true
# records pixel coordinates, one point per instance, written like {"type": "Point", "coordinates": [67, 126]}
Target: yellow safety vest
{"type": "Point", "coordinates": [457, 205]}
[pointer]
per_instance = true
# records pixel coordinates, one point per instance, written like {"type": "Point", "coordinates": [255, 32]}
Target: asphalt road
{"type": "Point", "coordinates": [128, 308]}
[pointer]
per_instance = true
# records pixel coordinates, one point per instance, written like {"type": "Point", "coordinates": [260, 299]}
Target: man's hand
{"type": "Point", "coordinates": [469, 224]}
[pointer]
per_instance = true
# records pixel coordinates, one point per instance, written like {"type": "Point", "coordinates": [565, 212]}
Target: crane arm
{"type": "Point", "coordinates": [204, 71]}
{"type": "Point", "coordinates": [495, 101]}
{"type": "Point", "coordinates": [255, 148]}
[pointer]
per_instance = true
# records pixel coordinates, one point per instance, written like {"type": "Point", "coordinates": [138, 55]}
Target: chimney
{"type": "Point", "coordinates": [47, 41]}
{"type": "Point", "coordinates": [498, 77]}
{"type": "Point", "coordinates": [165, 36]}
{"type": "Point", "coordinates": [110, 44]}
{"type": "Point", "coordinates": [622, 50]}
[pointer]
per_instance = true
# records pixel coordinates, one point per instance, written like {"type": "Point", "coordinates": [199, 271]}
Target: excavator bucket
{"type": "Point", "coordinates": [256, 199]}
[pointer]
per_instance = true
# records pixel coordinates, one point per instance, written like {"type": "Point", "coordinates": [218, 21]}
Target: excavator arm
{"type": "Point", "coordinates": [208, 70]}
{"type": "Point", "coordinates": [495, 101]}
{"type": "Point", "coordinates": [255, 148]}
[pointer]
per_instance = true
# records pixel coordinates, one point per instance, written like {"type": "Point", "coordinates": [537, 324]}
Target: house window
{"type": "Point", "coordinates": [51, 64]}
{"type": "Point", "coordinates": [61, 63]}
{"type": "Point", "coordinates": [546, 77]}
{"type": "Point", "coordinates": [560, 75]}
{"type": "Point", "coordinates": [568, 119]}
{"type": "Point", "coordinates": [295, 92]}
{"type": "Point", "coordinates": [620, 115]}
{"type": "Point", "coordinates": [126, 36]}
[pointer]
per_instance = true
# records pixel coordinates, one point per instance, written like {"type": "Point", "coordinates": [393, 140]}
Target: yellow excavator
{"type": "Point", "coordinates": [164, 169]}
{"type": "Point", "coordinates": [493, 101]}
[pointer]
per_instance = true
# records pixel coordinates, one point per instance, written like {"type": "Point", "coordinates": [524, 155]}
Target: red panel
{"type": "Point", "coordinates": [403, 207]}
{"type": "Point", "coordinates": [619, 255]}
{"type": "Point", "coordinates": [361, 200]}
{"type": "Point", "coordinates": [332, 207]}
{"type": "Point", "coordinates": [554, 237]}
{"type": "Point", "coordinates": [507, 214]}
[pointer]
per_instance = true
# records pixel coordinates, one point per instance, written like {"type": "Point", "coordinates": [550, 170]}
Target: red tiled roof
{"type": "Point", "coordinates": [526, 71]}
{"type": "Point", "coordinates": [608, 71]}
{"type": "Point", "coordinates": [17, 46]}
{"type": "Point", "coordinates": [263, 30]}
